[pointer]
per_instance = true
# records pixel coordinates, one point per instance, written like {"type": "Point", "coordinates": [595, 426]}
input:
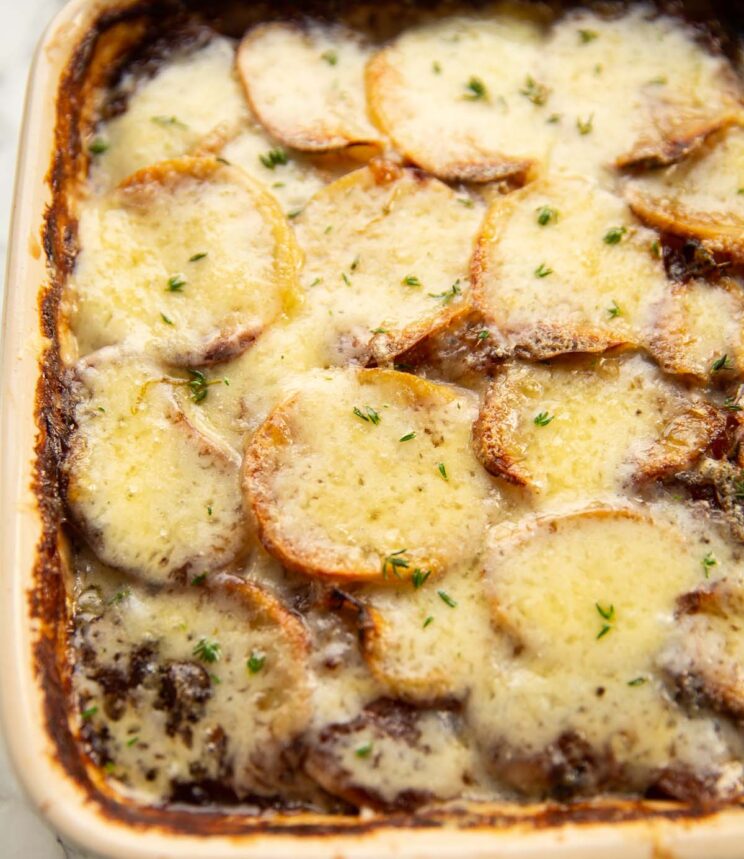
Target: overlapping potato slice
{"type": "Point", "coordinates": [393, 757]}
{"type": "Point", "coordinates": [194, 93]}
{"type": "Point", "coordinates": [702, 197]}
{"type": "Point", "coordinates": [190, 259]}
{"type": "Point", "coordinates": [306, 84]}
{"type": "Point", "coordinates": [291, 176]}
{"type": "Point", "coordinates": [586, 426]}
{"type": "Point", "coordinates": [184, 691]}
{"type": "Point", "coordinates": [581, 684]}
{"type": "Point", "coordinates": [704, 659]}
{"type": "Point", "coordinates": [699, 330]}
{"type": "Point", "coordinates": [155, 490]}
{"type": "Point", "coordinates": [449, 93]}
{"type": "Point", "coordinates": [561, 266]}
{"type": "Point", "coordinates": [375, 444]}
{"type": "Point", "coordinates": [634, 89]}
{"type": "Point", "coordinates": [379, 285]}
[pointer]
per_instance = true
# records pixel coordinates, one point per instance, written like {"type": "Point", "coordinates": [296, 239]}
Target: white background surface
{"type": "Point", "coordinates": [22, 834]}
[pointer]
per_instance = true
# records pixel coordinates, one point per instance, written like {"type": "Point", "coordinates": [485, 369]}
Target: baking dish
{"type": "Point", "coordinates": [76, 49]}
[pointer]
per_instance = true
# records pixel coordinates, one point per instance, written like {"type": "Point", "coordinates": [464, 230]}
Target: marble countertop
{"type": "Point", "coordinates": [22, 834]}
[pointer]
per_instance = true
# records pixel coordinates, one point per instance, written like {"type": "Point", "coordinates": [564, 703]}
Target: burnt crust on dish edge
{"type": "Point", "coordinates": [119, 39]}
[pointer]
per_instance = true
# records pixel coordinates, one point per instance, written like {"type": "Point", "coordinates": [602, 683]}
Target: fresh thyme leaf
{"type": "Point", "coordinates": [354, 263]}
{"type": "Point", "coordinates": [198, 385]}
{"type": "Point", "coordinates": [90, 712]}
{"type": "Point", "coordinates": [476, 90]}
{"type": "Point", "coordinates": [408, 436]}
{"type": "Point", "coordinates": [536, 92]}
{"type": "Point", "coordinates": [345, 278]}
{"type": "Point", "coordinates": [176, 283]}
{"type": "Point", "coordinates": [613, 311]}
{"type": "Point", "coordinates": [294, 213]}
{"type": "Point", "coordinates": [466, 201]}
{"type": "Point", "coordinates": [442, 469]}
{"type": "Point", "coordinates": [331, 57]}
{"type": "Point", "coordinates": [428, 620]}
{"type": "Point", "coordinates": [132, 742]}
{"type": "Point", "coordinates": [448, 294]}
{"type": "Point", "coordinates": [731, 404]}
{"type": "Point", "coordinates": [722, 363]}
{"type": "Point", "coordinates": [602, 632]}
{"type": "Point", "coordinates": [637, 681]}
{"type": "Point", "coordinates": [393, 561]}
{"type": "Point", "coordinates": [168, 120]}
{"type": "Point", "coordinates": [120, 596]}
{"type": "Point", "coordinates": [197, 257]}
{"type": "Point", "coordinates": [165, 319]}
{"type": "Point", "coordinates": [369, 414]}
{"type": "Point", "coordinates": [379, 330]}
{"type": "Point", "coordinates": [256, 662]}
{"type": "Point", "coordinates": [364, 751]}
{"type": "Point", "coordinates": [207, 650]}
{"type": "Point", "coordinates": [197, 581]}
{"type": "Point", "coordinates": [316, 281]}
{"type": "Point", "coordinates": [542, 419]}
{"type": "Point", "coordinates": [614, 235]}
{"type": "Point", "coordinates": [483, 335]}
{"type": "Point", "coordinates": [411, 280]}
{"type": "Point", "coordinates": [655, 248]}
{"type": "Point", "coordinates": [220, 160]}
{"type": "Point", "coordinates": [546, 214]}
{"type": "Point", "coordinates": [419, 577]}
{"type": "Point", "coordinates": [542, 270]}
{"type": "Point", "coordinates": [585, 126]}
{"type": "Point", "coordinates": [98, 146]}
{"type": "Point", "coordinates": [554, 118]}
{"type": "Point", "coordinates": [447, 599]}
{"type": "Point", "coordinates": [586, 36]}
{"type": "Point", "coordinates": [708, 561]}
{"type": "Point", "coordinates": [273, 158]}
{"type": "Point", "coordinates": [209, 506]}
{"type": "Point", "coordinates": [606, 613]}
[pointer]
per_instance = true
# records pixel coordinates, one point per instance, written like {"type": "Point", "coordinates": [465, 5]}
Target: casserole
{"type": "Point", "coordinates": [34, 705]}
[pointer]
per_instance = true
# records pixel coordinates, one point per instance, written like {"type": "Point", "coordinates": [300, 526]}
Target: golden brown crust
{"type": "Point", "coordinates": [493, 434]}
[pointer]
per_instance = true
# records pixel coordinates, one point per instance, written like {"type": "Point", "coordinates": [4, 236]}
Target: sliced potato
{"type": "Point", "coordinates": [306, 84]}
{"type": "Point", "coordinates": [723, 481]}
{"type": "Point", "coordinates": [449, 93]}
{"type": "Point", "coordinates": [583, 663]}
{"type": "Point", "coordinates": [199, 84]}
{"type": "Point", "coordinates": [291, 176]}
{"type": "Point", "coordinates": [167, 681]}
{"type": "Point", "coordinates": [336, 474]}
{"type": "Point", "coordinates": [634, 89]}
{"type": "Point", "coordinates": [702, 197]}
{"type": "Point", "coordinates": [586, 426]}
{"type": "Point", "coordinates": [704, 659]}
{"type": "Point", "coordinates": [190, 259]}
{"type": "Point", "coordinates": [393, 757]}
{"type": "Point", "coordinates": [561, 266]}
{"type": "Point", "coordinates": [386, 257]}
{"type": "Point", "coordinates": [699, 330]}
{"type": "Point", "coordinates": [151, 485]}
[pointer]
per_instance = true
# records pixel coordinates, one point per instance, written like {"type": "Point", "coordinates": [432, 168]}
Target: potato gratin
{"type": "Point", "coordinates": [405, 460]}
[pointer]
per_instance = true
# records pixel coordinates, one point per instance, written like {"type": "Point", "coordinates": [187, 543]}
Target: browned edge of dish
{"type": "Point", "coordinates": [112, 42]}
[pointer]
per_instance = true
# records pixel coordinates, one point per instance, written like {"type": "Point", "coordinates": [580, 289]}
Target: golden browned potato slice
{"type": "Point", "coordinates": [634, 89]}
{"type": "Point", "coordinates": [704, 658]}
{"type": "Point", "coordinates": [336, 476]}
{"type": "Point", "coordinates": [702, 197]}
{"type": "Point", "coordinates": [200, 85]}
{"type": "Point", "coordinates": [291, 176]}
{"type": "Point", "coordinates": [586, 426]}
{"type": "Point", "coordinates": [189, 259]}
{"type": "Point", "coordinates": [393, 757]}
{"type": "Point", "coordinates": [562, 266]}
{"type": "Point", "coordinates": [306, 84]}
{"type": "Point", "coordinates": [167, 681]}
{"type": "Point", "coordinates": [451, 95]}
{"type": "Point", "coordinates": [155, 490]}
{"type": "Point", "coordinates": [584, 644]}
{"type": "Point", "coordinates": [699, 330]}
{"type": "Point", "coordinates": [386, 258]}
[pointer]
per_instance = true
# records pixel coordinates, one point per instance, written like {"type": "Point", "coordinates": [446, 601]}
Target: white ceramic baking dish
{"type": "Point", "coordinates": [48, 762]}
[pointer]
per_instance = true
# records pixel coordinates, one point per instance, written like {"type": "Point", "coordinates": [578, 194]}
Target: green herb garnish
{"type": "Point", "coordinates": [369, 414]}
{"type": "Point", "coordinates": [273, 158]}
{"type": "Point", "coordinates": [197, 257]}
{"type": "Point", "coordinates": [256, 662]}
{"type": "Point", "coordinates": [364, 751]}
{"type": "Point", "coordinates": [207, 651]}
{"type": "Point", "coordinates": [90, 712]}
{"type": "Point", "coordinates": [546, 214]}
{"type": "Point", "coordinates": [586, 36]}
{"type": "Point", "coordinates": [708, 561]}
{"type": "Point", "coordinates": [585, 126]}
{"type": "Point", "coordinates": [722, 363]}
{"type": "Point", "coordinates": [447, 599]}
{"type": "Point", "coordinates": [542, 419]}
{"type": "Point", "coordinates": [637, 681]}
{"type": "Point", "coordinates": [442, 469]}
{"type": "Point", "coordinates": [614, 235]}
{"type": "Point", "coordinates": [98, 146]}
{"type": "Point", "coordinates": [428, 620]}
{"type": "Point", "coordinates": [176, 283]}
{"type": "Point", "coordinates": [393, 562]}
{"type": "Point", "coordinates": [199, 580]}
{"type": "Point", "coordinates": [331, 57]}
{"type": "Point", "coordinates": [613, 311]}
{"type": "Point", "coordinates": [476, 90]}
{"type": "Point", "coordinates": [536, 92]}
{"type": "Point", "coordinates": [411, 280]}
{"type": "Point", "coordinates": [408, 436]}
{"type": "Point", "coordinates": [419, 577]}
{"type": "Point", "coordinates": [542, 270]}
{"type": "Point", "coordinates": [448, 294]}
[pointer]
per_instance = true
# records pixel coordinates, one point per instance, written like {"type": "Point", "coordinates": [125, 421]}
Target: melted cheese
{"type": "Point", "coordinates": [207, 257]}
{"type": "Point", "coordinates": [166, 116]}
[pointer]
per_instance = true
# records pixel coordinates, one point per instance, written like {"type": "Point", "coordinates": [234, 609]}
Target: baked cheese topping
{"type": "Point", "coordinates": [404, 463]}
